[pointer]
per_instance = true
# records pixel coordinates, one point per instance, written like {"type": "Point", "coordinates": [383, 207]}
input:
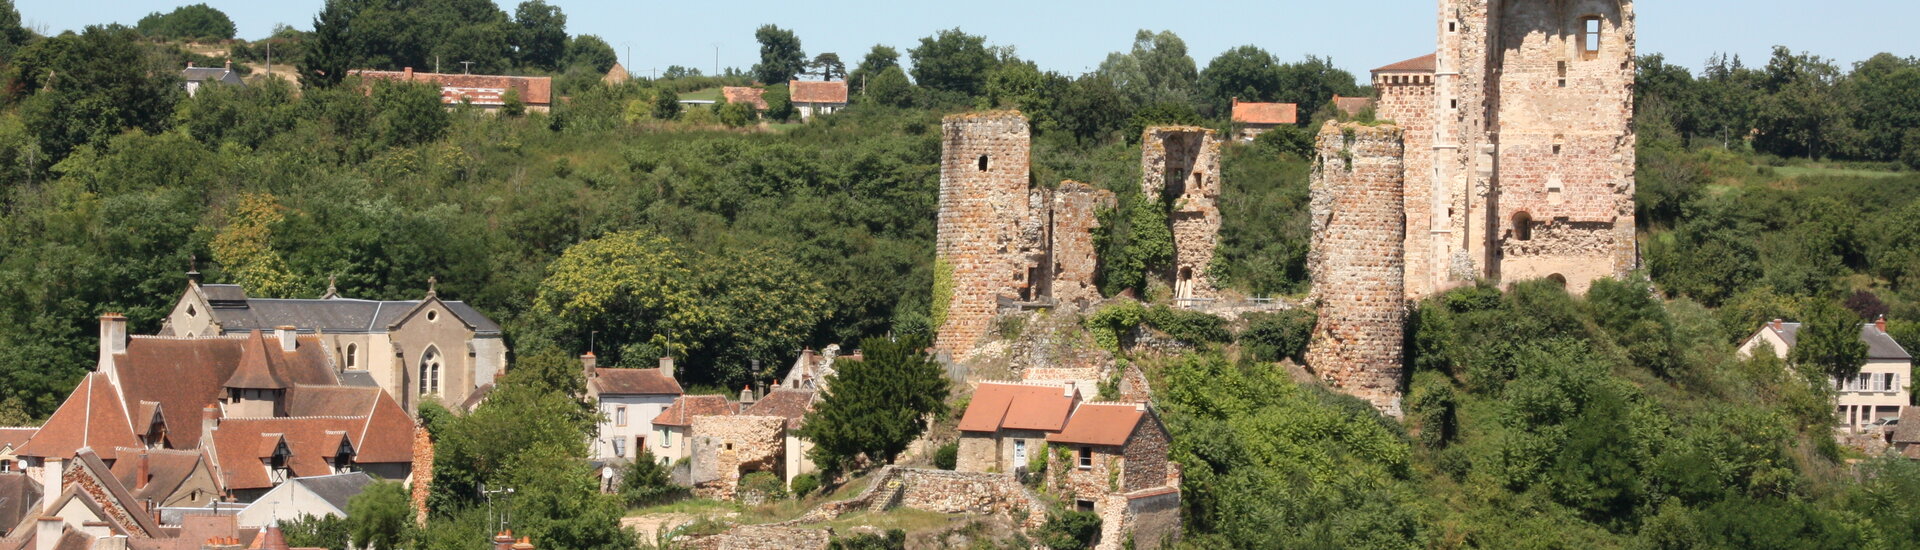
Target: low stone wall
{"type": "Point", "coordinates": [939, 491]}
{"type": "Point", "coordinates": [761, 537]}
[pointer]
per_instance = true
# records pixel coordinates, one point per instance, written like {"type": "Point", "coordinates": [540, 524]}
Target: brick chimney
{"type": "Point", "coordinates": [1881, 324]}
{"type": "Point", "coordinates": [524, 544]}
{"type": "Point", "coordinates": [209, 420]}
{"type": "Point", "coordinates": [408, 72]}
{"type": "Point", "coordinates": [288, 335]}
{"type": "Point", "coordinates": [1779, 325]}
{"type": "Point", "coordinates": [589, 364]}
{"type": "Point", "coordinates": [229, 64]}
{"type": "Point", "coordinates": [503, 541]}
{"type": "Point", "coordinates": [143, 471]}
{"type": "Point", "coordinates": [666, 366]}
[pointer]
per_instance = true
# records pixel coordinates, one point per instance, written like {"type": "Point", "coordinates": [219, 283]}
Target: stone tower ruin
{"type": "Point", "coordinates": [1358, 262]}
{"type": "Point", "coordinates": [1003, 242]}
{"type": "Point", "coordinates": [1519, 143]}
{"type": "Point", "coordinates": [1516, 152]}
{"type": "Point", "coordinates": [1181, 165]}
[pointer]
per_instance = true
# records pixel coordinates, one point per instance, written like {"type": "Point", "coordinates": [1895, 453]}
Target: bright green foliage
{"type": "Point", "coordinates": [330, 532]}
{"type": "Point", "coordinates": [779, 103]}
{"type": "Point", "coordinates": [410, 113]}
{"type": "Point", "coordinates": [381, 516]}
{"type": "Point", "coordinates": [781, 58]}
{"type": "Point", "coordinates": [540, 35]}
{"type": "Point", "coordinates": [1638, 322]}
{"type": "Point", "coordinates": [765, 483]}
{"type": "Point", "coordinates": [510, 104]}
{"type": "Point", "coordinates": [876, 406]}
{"type": "Point", "coordinates": [1277, 335]}
{"type": "Point", "coordinates": [646, 482]}
{"type": "Point", "coordinates": [1829, 341]}
{"type": "Point", "coordinates": [878, 59]}
{"type": "Point", "coordinates": [889, 86]}
{"type": "Point", "coordinates": [947, 456]}
{"type": "Point", "coordinates": [1134, 241]}
{"type": "Point", "coordinates": [952, 61]}
{"type": "Point", "coordinates": [189, 22]}
{"type": "Point", "coordinates": [86, 88]}
{"type": "Point", "coordinates": [736, 115]}
{"type": "Point", "coordinates": [245, 247]}
{"type": "Point", "coordinates": [1156, 72]}
{"type": "Point", "coordinates": [1245, 72]}
{"type": "Point", "coordinates": [804, 484]}
{"type": "Point", "coordinates": [1069, 530]}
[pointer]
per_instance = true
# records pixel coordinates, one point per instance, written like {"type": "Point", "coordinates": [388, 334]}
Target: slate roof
{"type": "Point", "coordinates": [184, 375]}
{"type": "Point", "coordinates": [337, 489]}
{"type": "Point", "coordinates": [92, 416]}
{"type": "Point", "coordinates": [743, 94]}
{"type": "Point", "coordinates": [612, 381]}
{"type": "Point", "coordinates": [1422, 64]}
{"type": "Point", "coordinates": [479, 89]}
{"type": "Point", "coordinates": [792, 404]}
{"type": "Point", "coordinates": [19, 495]}
{"type": "Point", "coordinates": [1108, 424]}
{"type": "Point", "coordinates": [685, 407]}
{"type": "Point", "coordinates": [210, 74]}
{"type": "Point", "coordinates": [1013, 406]}
{"type": "Point", "coordinates": [333, 315]}
{"type": "Point", "coordinates": [816, 91]}
{"type": "Point", "coordinates": [167, 469]}
{"type": "Point", "coordinates": [1265, 113]}
{"type": "Point", "coordinates": [1879, 344]}
{"type": "Point", "coordinates": [358, 379]}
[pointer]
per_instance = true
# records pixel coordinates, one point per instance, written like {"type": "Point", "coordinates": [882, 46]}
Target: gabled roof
{"type": "Point", "coordinates": [792, 404]}
{"type": "Point", "coordinates": [213, 74]}
{"type": "Point", "coordinates": [1880, 345]}
{"type": "Point", "coordinates": [167, 469]}
{"type": "Point", "coordinates": [1014, 406]}
{"type": "Point", "coordinates": [1108, 424]}
{"type": "Point", "coordinates": [93, 416]}
{"type": "Point", "coordinates": [815, 91]}
{"type": "Point", "coordinates": [480, 89]}
{"type": "Point", "coordinates": [1422, 64]}
{"type": "Point", "coordinates": [336, 489]}
{"type": "Point", "coordinates": [236, 312]}
{"type": "Point", "coordinates": [1265, 113]}
{"type": "Point", "coordinates": [241, 445]}
{"type": "Point", "coordinates": [610, 381]}
{"type": "Point", "coordinates": [184, 375]}
{"type": "Point", "coordinates": [258, 368]}
{"type": "Point", "coordinates": [15, 437]}
{"type": "Point", "coordinates": [743, 94]}
{"type": "Point", "coordinates": [96, 486]}
{"type": "Point", "coordinates": [685, 407]}
{"type": "Point", "coordinates": [19, 496]}
{"type": "Point", "coordinates": [1351, 105]}
{"type": "Point", "coordinates": [1908, 430]}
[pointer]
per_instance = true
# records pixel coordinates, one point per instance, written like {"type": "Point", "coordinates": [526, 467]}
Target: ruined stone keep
{"type": "Point", "coordinates": [1358, 262]}
{"type": "Point", "coordinates": [1519, 143]}
{"type": "Point", "coordinates": [1181, 165]}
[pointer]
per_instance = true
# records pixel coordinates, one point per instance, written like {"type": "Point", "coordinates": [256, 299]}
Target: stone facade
{"type": "Point", "coordinates": [1000, 238]}
{"type": "Point", "coordinates": [1133, 488]}
{"type": "Point", "coordinates": [1357, 263]}
{"type": "Point", "coordinates": [421, 484]}
{"type": "Point", "coordinates": [1520, 164]}
{"type": "Point", "coordinates": [760, 537]}
{"type": "Point", "coordinates": [1181, 165]}
{"type": "Point", "coordinates": [1004, 451]}
{"type": "Point", "coordinates": [724, 448]}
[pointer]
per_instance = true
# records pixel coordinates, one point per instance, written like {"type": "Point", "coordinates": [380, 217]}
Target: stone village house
{"type": "Point", "coordinates": [1879, 391]}
{"type": "Point", "coordinates": [486, 92]}
{"type": "Point", "coordinates": [414, 349]}
{"type": "Point", "coordinates": [628, 400]}
{"type": "Point", "coordinates": [1106, 458]}
{"type": "Point", "coordinates": [814, 98]}
{"type": "Point", "coordinates": [1251, 119]}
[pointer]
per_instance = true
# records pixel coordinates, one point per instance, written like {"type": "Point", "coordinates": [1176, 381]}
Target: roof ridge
{"type": "Point", "coordinates": [1114, 403]}
{"type": "Point", "coordinates": [1056, 384]}
{"type": "Point", "coordinates": [320, 416]}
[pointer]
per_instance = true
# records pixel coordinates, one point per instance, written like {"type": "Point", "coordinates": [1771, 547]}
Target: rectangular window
{"type": "Point", "coordinates": [666, 438]}
{"type": "Point", "coordinates": [1590, 38]}
{"type": "Point", "coordinates": [1019, 453]}
{"type": "Point", "coordinates": [620, 415]}
{"type": "Point", "coordinates": [620, 447]}
{"type": "Point", "coordinates": [1086, 458]}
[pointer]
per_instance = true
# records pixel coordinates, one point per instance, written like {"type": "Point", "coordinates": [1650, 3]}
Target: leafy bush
{"type": "Point", "coordinates": [947, 456]}
{"type": "Point", "coordinates": [804, 484]}
{"type": "Point", "coordinates": [1192, 327]}
{"type": "Point", "coordinates": [646, 482]}
{"type": "Point", "coordinates": [1277, 335]}
{"type": "Point", "coordinates": [764, 483]}
{"type": "Point", "coordinates": [1069, 530]}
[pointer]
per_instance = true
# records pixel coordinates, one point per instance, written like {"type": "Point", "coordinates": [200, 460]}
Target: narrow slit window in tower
{"type": "Point", "coordinates": [983, 163]}
{"type": "Point", "coordinates": [1522, 226]}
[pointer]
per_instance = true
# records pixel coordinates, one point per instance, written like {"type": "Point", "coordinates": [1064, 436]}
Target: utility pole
{"type": "Point", "coordinates": [716, 59]}
{"type": "Point", "coordinates": [436, 64]}
{"type": "Point", "coordinates": [466, 67]}
{"type": "Point", "coordinates": [269, 59]}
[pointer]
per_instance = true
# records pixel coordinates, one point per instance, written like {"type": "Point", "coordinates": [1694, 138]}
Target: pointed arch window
{"type": "Point", "coordinates": [431, 364]}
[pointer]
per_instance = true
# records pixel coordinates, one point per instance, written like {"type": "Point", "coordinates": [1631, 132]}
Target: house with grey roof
{"type": "Point", "coordinates": [193, 77]}
{"type": "Point", "coordinates": [416, 350]}
{"type": "Point", "coordinates": [1878, 391]}
{"type": "Point", "coordinates": [317, 496]}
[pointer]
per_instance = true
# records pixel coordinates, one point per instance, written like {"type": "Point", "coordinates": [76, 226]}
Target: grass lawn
{"type": "Point", "coordinates": [1818, 170]}
{"type": "Point", "coordinates": [710, 94]}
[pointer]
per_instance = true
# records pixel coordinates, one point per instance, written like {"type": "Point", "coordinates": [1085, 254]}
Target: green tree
{"type": "Point", "coordinates": [1091, 109]}
{"type": "Point", "coordinates": [245, 248]}
{"type": "Point", "coordinates": [666, 104]}
{"type": "Point", "coordinates": [1069, 530]}
{"type": "Point", "coordinates": [780, 55]}
{"type": "Point", "coordinates": [1313, 82]}
{"type": "Point", "coordinates": [540, 35]}
{"type": "Point", "coordinates": [876, 406]}
{"type": "Point", "coordinates": [189, 22]}
{"type": "Point", "coordinates": [828, 66]}
{"type": "Point", "coordinates": [779, 103]}
{"type": "Point", "coordinates": [12, 33]}
{"type": "Point", "coordinates": [331, 51]}
{"type": "Point", "coordinates": [890, 87]}
{"type": "Point", "coordinates": [1157, 70]}
{"type": "Point", "coordinates": [1134, 240]}
{"type": "Point", "coordinates": [592, 52]}
{"type": "Point", "coordinates": [410, 113]}
{"type": "Point", "coordinates": [952, 61]}
{"type": "Point", "coordinates": [381, 516]}
{"type": "Point", "coordinates": [1802, 114]}
{"type": "Point", "coordinates": [1246, 72]}
{"type": "Point", "coordinates": [646, 482]}
{"type": "Point", "coordinates": [89, 87]}
{"type": "Point", "coordinates": [1829, 340]}
{"type": "Point", "coordinates": [877, 59]}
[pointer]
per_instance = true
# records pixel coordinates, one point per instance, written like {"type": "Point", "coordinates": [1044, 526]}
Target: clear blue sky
{"type": "Point", "coordinates": [1072, 36]}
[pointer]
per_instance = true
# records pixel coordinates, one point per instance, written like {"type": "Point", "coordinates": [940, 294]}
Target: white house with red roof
{"type": "Point", "coordinates": [814, 97]}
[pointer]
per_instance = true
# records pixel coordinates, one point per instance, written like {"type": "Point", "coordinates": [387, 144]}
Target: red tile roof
{"type": "Point", "coordinates": [259, 367]}
{"type": "Point", "coordinates": [184, 375]}
{"type": "Point", "coordinates": [166, 470]}
{"type": "Point", "coordinates": [743, 94]}
{"type": "Point", "coordinates": [242, 444]}
{"type": "Point", "coordinates": [1010, 406]}
{"type": "Point", "coordinates": [92, 416]}
{"type": "Point", "coordinates": [815, 91]}
{"type": "Point", "coordinates": [633, 382]}
{"type": "Point", "coordinates": [1422, 64]}
{"type": "Point", "coordinates": [1101, 424]}
{"type": "Point", "coordinates": [685, 407]}
{"type": "Point", "coordinates": [1352, 105]}
{"type": "Point", "coordinates": [478, 89]}
{"type": "Point", "coordinates": [788, 403]}
{"type": "Point", "coordinates": [1265, 113]}
{"type": "Point", "coordinates": [15, 437]}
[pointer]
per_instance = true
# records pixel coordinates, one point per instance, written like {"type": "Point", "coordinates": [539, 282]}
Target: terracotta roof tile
{"type": "Point", "coordinates": [259, 367]}
{"type": "Point", "coordinates": [633, 382]}
{"type": "Point", "coordinates": [791, 404]}
{"type": "Point", "coordinates": [15, 437]}
{"type": "Point", "coordinates": [1266, 113]}
{"type": "Point", "coordinates": [743, 94]}
{"type": "Point", "coordinates": [243, 444]}
{"type": "Point", "coordinates": [1101, 424]}
{"type": "Point", "coordinates": [685, 407]}
{"type": "Point", "coordinates": [999, 405]}
{"type": "Point", "coordinates": [478, 89]}
{"type": "Point", "coordinates": [166, 470]}
{"type": "Point", "coordinates": [1422, 64]}
{"type": "Point", "coordinates": [93, 416]}
{"type": "Point", "coordinates": [815, 91]}
{"type": "Point", "coordinates": [184, 375]}
{"type": "Point", "coordinates": [1352, 105]}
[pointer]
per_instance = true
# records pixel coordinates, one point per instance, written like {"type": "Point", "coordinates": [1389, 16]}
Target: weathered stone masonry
{"type": "Point", "coordinates": [1357, 262]}
{"type": "Point", "coordinates": [1181, 164]}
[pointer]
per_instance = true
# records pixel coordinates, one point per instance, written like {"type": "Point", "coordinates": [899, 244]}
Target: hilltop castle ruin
{"type": "Point", "coordinates": [1515, 148]}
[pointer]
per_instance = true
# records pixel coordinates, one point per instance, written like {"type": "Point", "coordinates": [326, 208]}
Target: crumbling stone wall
{"type": "Point", "coordinates": [1357, 261]}
{"type": "Point", "coordinates": [1408, 101]}
{"type": "Point", "coordinates": [1074, 216]}
{"type": "Point", "coordinates": [1154, 517]}
{"type": "Point", "coordinates": [760, 537]}
{"type": "Point", "coordinates": [422, 478]}
{"type": "Point", "coordinates": [1181, 165]}
{"type": "Point", "coordinates": [728, 447]}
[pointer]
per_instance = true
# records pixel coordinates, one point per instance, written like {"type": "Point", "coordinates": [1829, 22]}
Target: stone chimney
{"type": "Point", "coordinates": [46, 532]}
{"type": "Point", "coordinates": [408, 72]}
{"type": "Point", "coordinates": [589, 364]}
{"type": "Point", "coordinates": [503, 541]}
{"type": "Point", "coordinates": [50, 474]}
{"type": "Point", "coordinates": [746, 396]}
{"type": "Point", "coordinates": [229, 64]}
{"type": "Point", "coordinates": [1779, 325]}
{"type": "Point", "coordinates": [289, 337]}
{"type": "Point", "coordinates": [143, 470]}
{"type": "Point", "coordinates": [189, 64]}
{"type": "Point", "coordinates": [666, 366]}
{"type": "Point", "coordinates": [209, 419]}
{"type": "Point", "coordinates": [194, 277]}
{"type": "Point", "coordinates": [1881, 324]}
{"type": "Point", "coordinates": [113, 338]}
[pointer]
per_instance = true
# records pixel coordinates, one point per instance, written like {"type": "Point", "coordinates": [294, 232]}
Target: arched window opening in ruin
{"type": "Point", "coordinates": [1558, 279]}
{"type": "Point", "coordinates": [1522, 226]}
{"type": "Point", "coordinates": [1183, 288]}
{"type": "Point", "coordinates": [1198, 178]}
{"type": "Point", "coordinates": [1590, 37]}
{"type": "Point", "coordinates": [983, 163]}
